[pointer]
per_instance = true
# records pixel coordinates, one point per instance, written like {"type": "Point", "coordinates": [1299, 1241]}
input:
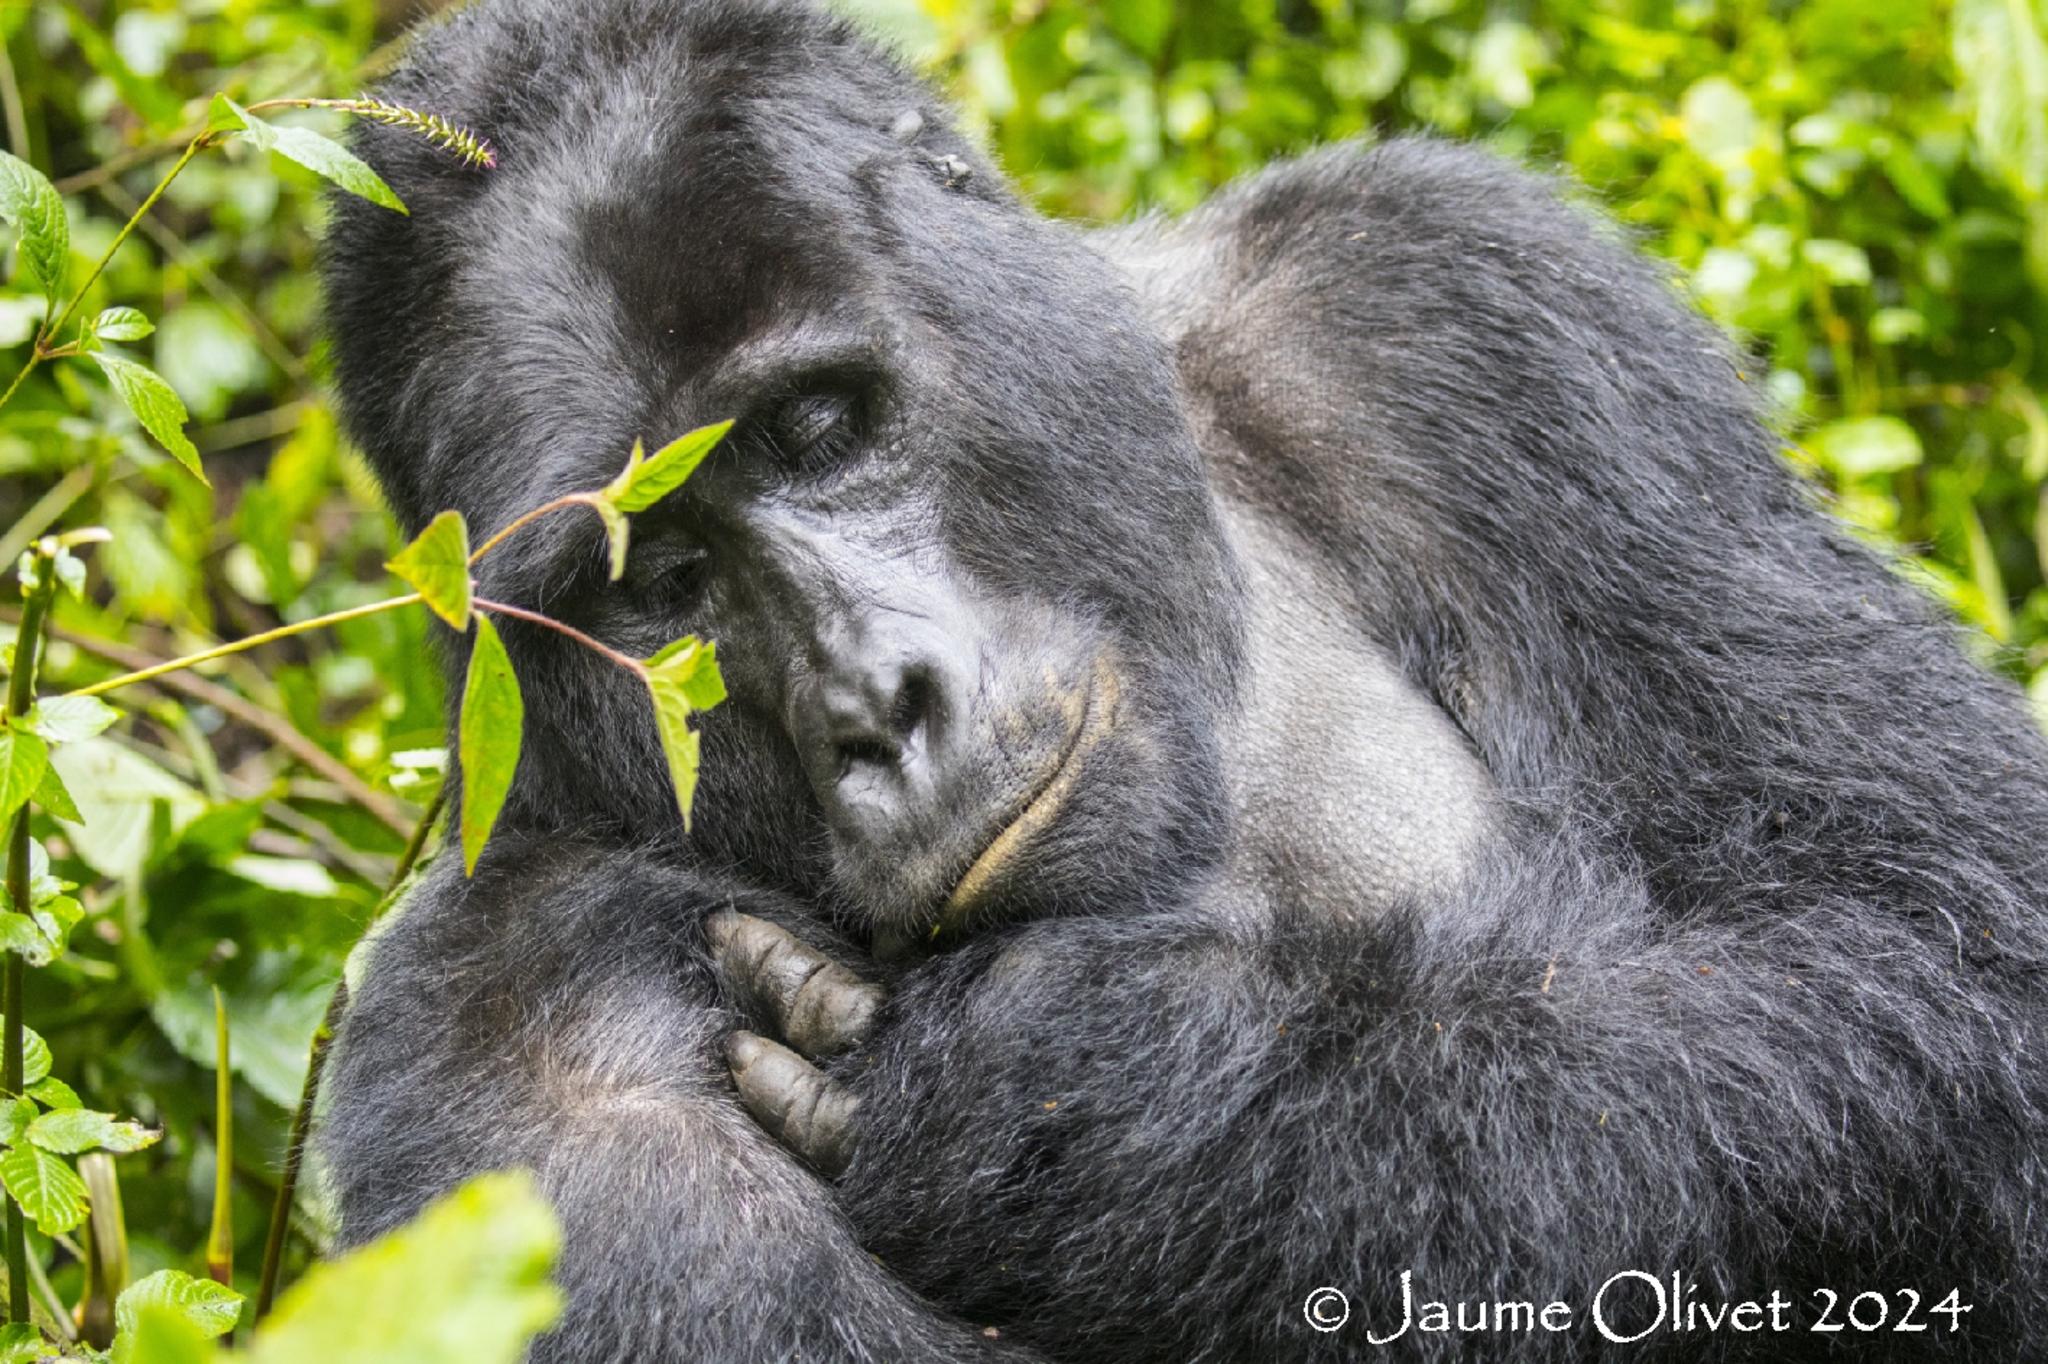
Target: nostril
{"type": "Point", "coordinates": [915, 700]}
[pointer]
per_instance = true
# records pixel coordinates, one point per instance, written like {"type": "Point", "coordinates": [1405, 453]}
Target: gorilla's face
{"type": "Point", "coordinates": [958, 554]}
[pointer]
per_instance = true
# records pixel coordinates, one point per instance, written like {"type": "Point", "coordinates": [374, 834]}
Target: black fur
{"type": "Point", "coordinates": [1748, 988]}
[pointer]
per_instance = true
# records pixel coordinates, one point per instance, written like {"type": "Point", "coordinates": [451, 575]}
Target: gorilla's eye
{"type": "Point", "coordinates": [672, 575]}
{"type": "Point", "coordinates": [813, 431]}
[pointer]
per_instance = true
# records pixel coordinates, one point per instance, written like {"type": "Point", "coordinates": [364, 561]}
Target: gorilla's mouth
{"type": "Point", "coordinates": [1093, 712]}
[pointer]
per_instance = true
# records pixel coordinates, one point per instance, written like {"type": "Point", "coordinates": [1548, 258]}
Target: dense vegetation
{"type": "Point", "coordinates": [1860, 187]}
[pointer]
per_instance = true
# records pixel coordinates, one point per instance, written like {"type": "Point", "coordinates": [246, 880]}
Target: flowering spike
{"type": "Point", "coordinates": [471, 149]}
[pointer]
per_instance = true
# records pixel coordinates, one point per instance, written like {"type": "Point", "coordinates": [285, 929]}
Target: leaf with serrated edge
{"type": "Point", "coordinates": [155, 404]}
{"type": "Point", "coordinates": [436, 565]}
{"type": "Point", "coordinates": [15, 1116]}
{"type": "Point", "coordinates": [67, 719]}
{"type": "Point", "coordinates": [20, 935]}
{"type": "Point", "coordinates": [489, 732]}
{"type": "Point", "coordinates": [45, 1186]}
{"type": "Point", "coordinates": [53, 795]}
{"type": "Point", "coordinates": [35, 1057]}
{"type": "Point", "coordinates": [52, 1092]}
{"type": "Point", "coordinates": [69, 1131]}
{"type": "Point", "coordinates": [23, 759]}
{"type": "Point", "coordinates": [31, 203]}
{"type": "Point", "coordinates": [645, 482]}
{"type": "Point", "coordinates": [211, 1308]}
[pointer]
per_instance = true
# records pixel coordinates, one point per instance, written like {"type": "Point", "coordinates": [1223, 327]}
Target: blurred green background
{"type": "Point", "coordinates": [1855, 186]}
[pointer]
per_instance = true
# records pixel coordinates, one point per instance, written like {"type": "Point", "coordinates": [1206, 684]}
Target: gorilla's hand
{"type": "Point", "coordinates": [820, 1009]}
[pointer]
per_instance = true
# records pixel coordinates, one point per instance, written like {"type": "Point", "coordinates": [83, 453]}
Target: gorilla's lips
{"type": "Point", "coordinates": [1093, 712]}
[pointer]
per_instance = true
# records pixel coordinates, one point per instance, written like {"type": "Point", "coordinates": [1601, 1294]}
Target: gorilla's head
{"type": "Point", "coordinates": [959, 555]}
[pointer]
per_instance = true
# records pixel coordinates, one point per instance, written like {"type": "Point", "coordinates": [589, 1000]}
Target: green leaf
{"type": "Point", "coordinates": [159, 1335]}
{"type": "Point", "coordinates": [489, 732]}
{"type": "Point", "coordinates": [68, 1131]}
{"type": "Point", "coordinates": [35, 1058]}
{"type": "Point", "coordinates": [21, 1343]}
{"type": "Point", "coordinates": [645, 481]}
{"type": "Point", "coordinates": [1840, 263]}
{"type": "Point", "coordinates": [31, 204]}
{"type": "Point", "coordinates": [15, 1116]}
{"type": "Point", "coordinates": [68, 719]}
{"type": "Point", "coordinates": [683, 678]}
{"type": "Point", "coordinates": [155, 404]}
{"type": "Point", "coordinates": [46, 1186]}
{"type": "Point", "coordinates": [21, 935]}
{"type": "Point", "coordinates": [52, 1092]}
{"type": "Point", "coordinates": [436, 565]}
{"type": "Point", "coordinates": [466, 1283]}
{"type": "Point", "coordinates": [120, 324]}
{"type": "Point", "coordinates": [203, 1306]}
{"type": "Point", "coordinates": [322, 155]}
{"type": "Point", "coordinates": [24, 758]}
{"type": "Point", "coordinates": [617, 533]}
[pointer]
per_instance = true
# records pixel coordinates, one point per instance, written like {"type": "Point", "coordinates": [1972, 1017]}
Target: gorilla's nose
{"type": "Point", "coordinates": [869, 729]}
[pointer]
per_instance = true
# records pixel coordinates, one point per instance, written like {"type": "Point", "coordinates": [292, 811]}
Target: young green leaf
{"type": "Point", "coordinates": [489, 732]}
{"type": "Point", "coordinates": [24, 757]}
{"type": "Point", "coordinates": [67, 719]}
{"type": "Point", "coordinates": [155, 404]}
{"type": "Point", "coordinates": [646, 480]}
{"type": "Point", "coordinates": [53, 795]}
{"type": "Point", "coordinates": [52, 1092]}
{"type": "Point", "coordinates": [45, 1186]}
{"type": "Point", "coordinates": [69, 1131]}
{"type": "Point", "coordinates": [322, 155]}
{"type": "Point", "coordinates": [436, 565]}
{"type": "Point", "coordinates": [15, 1116]}
{"type": "Point", "coordinates": [157, 1335]}
{"type": "Point", "coordinates": [617, 533]}
{"type": "Point", "coordinates": [31, 204]}
{"type": "Point", "coordinates": [35, 1058]}
{"type": "Point", "coordinates": [22, 936]}
{"type": "Point", "coordinates": [120, 324]}
{"type": "Point", "coordinates": [681, 679]}
{"type": "Point", "coordinates": [211, 1309]}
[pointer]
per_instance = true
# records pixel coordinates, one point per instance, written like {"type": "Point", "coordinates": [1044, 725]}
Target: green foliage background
{"type": "Point", "coordinates": [1857, 186]}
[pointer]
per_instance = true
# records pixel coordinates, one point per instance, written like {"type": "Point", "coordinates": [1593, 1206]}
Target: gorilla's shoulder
{"type": "Point", "coordinates": [1408, 210]}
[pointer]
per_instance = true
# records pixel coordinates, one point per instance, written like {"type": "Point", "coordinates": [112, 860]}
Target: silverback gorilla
{"type": "Point", "coordinates": [1281, 750]}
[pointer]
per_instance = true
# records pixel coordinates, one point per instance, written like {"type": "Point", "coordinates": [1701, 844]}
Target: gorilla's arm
{"type": "Point", "coordinates": [1752, 990]}
{"type": "Point", "coordinates": [560, 1012]}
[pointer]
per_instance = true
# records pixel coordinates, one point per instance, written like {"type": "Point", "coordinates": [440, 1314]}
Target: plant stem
{"type": "Point", "coordinates": [626, 661]}
{"type": "Point", "coordinates": [316, 1065]}
{"type": "Point", "coordinates": [21, 694]}
{"type": "Point", "coordinates": [520, 523]}
{"type": "Point", "coordinates": [243, 645]}
{"type": "Point", "coordinates": [192, 149]}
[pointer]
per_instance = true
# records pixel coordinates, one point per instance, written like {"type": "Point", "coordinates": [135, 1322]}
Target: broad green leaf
{"type": "Point", "coordinates": [15, 1116]}
{"type": "Point", "coordinates": [155, 404]}
{"type": "Point", "coordinates": [645, 481]}
{"type": "Point", "coordinates": [24, 758]}
{"type": "Point", "coordinates": [118, 790]}
{"type": "Point", "coordinates": [56, 917]}
{"type": "Point", "coordinates": [120, 324]}
{"type": "Point", "coordinates": [322, 155]}
{"type": "Point", "coordinates": [21, 935]}
{"type": "Point", "coordinates": [436, 565]}
{"type": "Point", "coordinates": [52, 1092]}
{"type": "Point", "coordinates": [46, 1186]}
{"type": "Point", "coordinates": [21, 1343]}
{"type": "Point", "coordinates": [159, 1335]}
{"type": "Point", "coordinates": [35, 1058]}
{"type": "Point", "coordinates": [68, 719]}
{"type": "Point", "coordinates": [53, 795]}
{"type": "Point", "coordinates": [69, 1131]}
{"type": "Point", "coordinates": [489, 732]}
{"type": "Point", "coordinates": [681, 679]}
{"type": "Point", "coordinates": [466, 1283]}
{"type": "Point", "coordinates": [31, 204]}
{"type": "Point", "coordinates": [206, 1307]}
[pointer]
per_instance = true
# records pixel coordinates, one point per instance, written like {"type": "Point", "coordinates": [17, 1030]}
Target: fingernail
{"type": "Point", "coordinates": [743, 1049]}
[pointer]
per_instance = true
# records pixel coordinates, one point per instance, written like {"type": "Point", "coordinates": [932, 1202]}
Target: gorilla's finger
{"type": "Point", "coordinates": [793, 1100]}
{"type": "Point", "coordinates": [816, 1005]}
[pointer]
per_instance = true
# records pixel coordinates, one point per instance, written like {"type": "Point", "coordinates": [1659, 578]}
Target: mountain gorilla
{"type": "Point", "coordinates": [1271, 751]}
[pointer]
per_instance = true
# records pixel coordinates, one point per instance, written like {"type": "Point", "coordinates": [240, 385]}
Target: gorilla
{"type": "Point", "coordinates": [1312, 748]}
